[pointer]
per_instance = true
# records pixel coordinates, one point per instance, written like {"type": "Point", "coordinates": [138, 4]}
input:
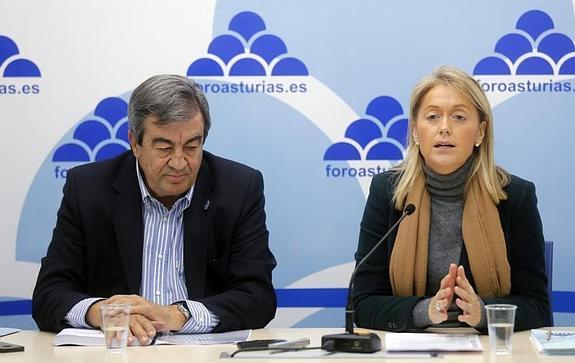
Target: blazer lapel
{"type": "Point", "coordinates": [197, 221]}
{"type": "Point", "coordinates": [128, 223]}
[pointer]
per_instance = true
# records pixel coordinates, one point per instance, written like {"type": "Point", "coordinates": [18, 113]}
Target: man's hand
{"type": "Point", "coordinates": [442, 300]}
{"type": "Point", "coordinates": [93, 316]}
{"type": "Point", "coordinates": [146, 317]}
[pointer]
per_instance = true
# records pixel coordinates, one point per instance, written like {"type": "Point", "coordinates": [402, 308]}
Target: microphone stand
{"type": "Point", "coordinates": [350, 341]}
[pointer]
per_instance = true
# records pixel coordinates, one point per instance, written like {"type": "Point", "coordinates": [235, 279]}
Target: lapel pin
{"type": "Point", "coordinates": [206, 205]}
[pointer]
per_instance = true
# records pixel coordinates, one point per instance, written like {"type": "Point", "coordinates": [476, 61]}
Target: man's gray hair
{"type": "Point", "coordinates": [169, 98]}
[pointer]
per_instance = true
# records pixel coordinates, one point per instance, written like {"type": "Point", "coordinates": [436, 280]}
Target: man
{"type": "Point", "coordinates": [172, 230]}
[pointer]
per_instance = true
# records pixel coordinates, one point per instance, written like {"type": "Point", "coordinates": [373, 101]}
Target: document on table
{"type": "Point", "coordinates": [8, 331]}
{"type": "Point", "coordinates": [206, 339]}
{"type": "Point", "coordinates": [429, 342]}
{"type": "Point", "coordinates": [554, 341]}
{"type": "Point", "coordinates": [93, 337]}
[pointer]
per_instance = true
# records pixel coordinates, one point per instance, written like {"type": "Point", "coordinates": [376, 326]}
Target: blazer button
{"type": "Point", "coordinates": [389, 324]}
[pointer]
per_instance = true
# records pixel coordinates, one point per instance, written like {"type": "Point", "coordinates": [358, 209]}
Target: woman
{"type": "Point", "coordinates": [475, 237]}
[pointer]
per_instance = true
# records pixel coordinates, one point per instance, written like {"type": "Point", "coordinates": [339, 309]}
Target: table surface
{"type": "Point", "coordinates": [39, 348]}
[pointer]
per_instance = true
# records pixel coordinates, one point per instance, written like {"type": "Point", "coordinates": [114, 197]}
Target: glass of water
{"type": "Point", "coordinates": [500, 323]}
{"type": "Point", "coordinates": [115, 325]}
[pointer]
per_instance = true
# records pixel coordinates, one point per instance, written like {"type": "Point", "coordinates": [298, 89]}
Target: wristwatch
{"type": "Point", "coordinates": [183, 307]}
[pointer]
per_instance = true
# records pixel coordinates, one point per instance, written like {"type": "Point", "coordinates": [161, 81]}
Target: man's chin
{"type": "Point", "coordinates": [178, 189]}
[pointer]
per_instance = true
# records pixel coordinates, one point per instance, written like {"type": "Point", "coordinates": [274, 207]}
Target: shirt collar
{"type": "Point", "coordinates": [147, 197]}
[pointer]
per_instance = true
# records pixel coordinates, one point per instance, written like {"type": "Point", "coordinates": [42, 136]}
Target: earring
{"type": "Point", "coordinates": [477, 144]}
{"type": "Point", "coordinates": [416, 142]}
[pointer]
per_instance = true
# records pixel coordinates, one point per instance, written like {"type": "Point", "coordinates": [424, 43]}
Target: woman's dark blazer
{"type": "Point", "coordinates": [377, 308]}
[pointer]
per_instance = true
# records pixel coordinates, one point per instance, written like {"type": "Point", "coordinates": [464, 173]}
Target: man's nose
{"type": "Point", "coordinates": [177, 160]}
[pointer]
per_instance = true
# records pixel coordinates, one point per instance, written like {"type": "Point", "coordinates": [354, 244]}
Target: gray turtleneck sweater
{"type": "Point", "coordinates": [447, 194]}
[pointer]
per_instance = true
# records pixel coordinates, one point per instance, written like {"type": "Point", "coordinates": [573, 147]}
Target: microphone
{"type": "Point", "coordinates": [350, 341]}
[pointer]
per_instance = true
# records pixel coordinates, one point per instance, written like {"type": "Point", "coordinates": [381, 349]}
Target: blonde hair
{"type": "Point", "coordinates": [493, 177]}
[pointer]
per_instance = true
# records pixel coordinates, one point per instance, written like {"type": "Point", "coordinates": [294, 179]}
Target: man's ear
{"type": "Point", "coordinates": [133, 143]}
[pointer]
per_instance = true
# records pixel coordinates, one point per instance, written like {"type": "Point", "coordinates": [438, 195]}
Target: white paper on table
{"type": "Point", "coordinates": [86, 337]}
{"type": "Point", "coordinates": [205, 339]}
{"type": "Point", "coordinates": [8, 331]}
{"type": "Point", "coordinates": [561, 342]}
{"type": "Point", "coordinates": [94, 337]}
{"type": "Point", "coordinates": [428, 342]}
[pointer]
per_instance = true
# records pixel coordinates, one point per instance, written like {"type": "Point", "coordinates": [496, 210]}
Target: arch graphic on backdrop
{"type": "Point", "coordinates": [102, 136]}
{"type": "Point", "coordinates": [534, 48]}
{"type": "Point", "coordinates": [379, 135]}
{"type": "Point", "coordinates": [12, 64]}
{"type": "Point", "coordinates": [533, 52]}
{"type": "Point", "coordinates": [247, 50]}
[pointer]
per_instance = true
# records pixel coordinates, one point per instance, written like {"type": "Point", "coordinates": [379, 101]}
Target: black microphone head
{"type": "Point", "coordinates": [409, 209]}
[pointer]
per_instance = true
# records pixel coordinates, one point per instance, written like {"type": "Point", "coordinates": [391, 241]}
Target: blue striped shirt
{"type": "Point", "coordinates": [163, 279]}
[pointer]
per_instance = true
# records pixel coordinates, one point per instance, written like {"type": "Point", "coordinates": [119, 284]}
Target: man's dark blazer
{"type": "Point", "coordinates": [377, 308]}
{"type": "Point", "coordinates": [96, 247]}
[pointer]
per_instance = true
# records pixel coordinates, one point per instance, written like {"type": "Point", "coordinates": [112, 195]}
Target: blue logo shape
{"type": "Point", "coordinates": [380, 135]}
{"type": "Point", "coordinates": [533, 49]}
{"type": "Point", "coordinates": [247, 51]}
{"type": "Point", "coordinates": [12, 63]}
{"type": "Point", "coordinates": [102, 136]}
